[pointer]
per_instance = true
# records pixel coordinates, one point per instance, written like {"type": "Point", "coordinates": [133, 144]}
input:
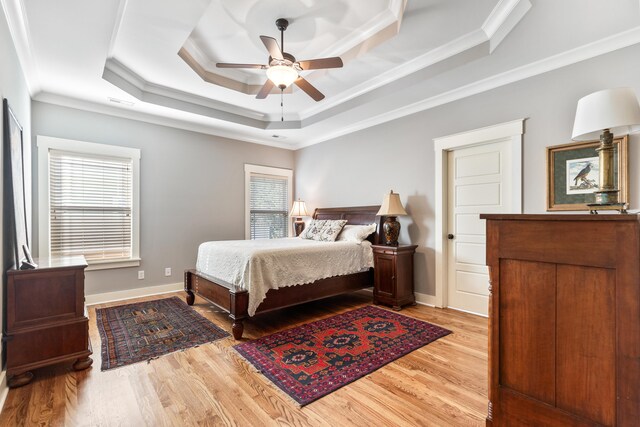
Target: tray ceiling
{"type": "Point", "coordinates": [146, 59]}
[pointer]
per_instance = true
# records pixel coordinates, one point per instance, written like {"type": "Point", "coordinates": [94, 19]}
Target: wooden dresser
{"type": "Point", "coordinates": [564, 334]}
{"type": "Point", "coordinates": [46, 321]}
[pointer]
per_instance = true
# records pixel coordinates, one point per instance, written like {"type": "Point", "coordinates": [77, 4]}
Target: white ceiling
{"type": "Point", "coordinates": [400, 56]}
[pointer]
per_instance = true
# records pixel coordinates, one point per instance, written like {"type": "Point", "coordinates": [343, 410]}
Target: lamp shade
{"type": "Point", "coordinates": [613, 109]}
{"type": "Point", "coordinates": [282, 75]}
{"type": "Point", "coordinates": [391, 205]}
{"type": "Point", "coordinates": [299, 209]}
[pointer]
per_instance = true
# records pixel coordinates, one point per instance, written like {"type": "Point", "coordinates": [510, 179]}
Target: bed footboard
{"type": "Point", "coordinates": [235, 301]}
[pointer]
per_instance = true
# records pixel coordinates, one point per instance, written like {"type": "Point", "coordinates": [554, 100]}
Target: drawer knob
{"type": "Point", "coordinates": [450, 236]}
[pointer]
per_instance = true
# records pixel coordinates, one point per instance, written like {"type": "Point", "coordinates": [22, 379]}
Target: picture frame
{"type": "Point", "coordinates": [16, 192]}
{"type": "Point", "coordinates": [572, 174]}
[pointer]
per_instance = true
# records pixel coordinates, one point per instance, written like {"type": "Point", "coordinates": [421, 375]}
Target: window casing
{"type": "Point", "coordinates": [89, 202]}
{"type": "Point", "coordinates": [268, 198]}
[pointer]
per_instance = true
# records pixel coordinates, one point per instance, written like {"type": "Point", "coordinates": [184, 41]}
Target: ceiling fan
{"type": "Point", "coordinates": [283, 69]}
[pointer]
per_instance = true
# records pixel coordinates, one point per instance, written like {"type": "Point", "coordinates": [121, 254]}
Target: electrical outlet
{"type": "Point", "coordinates": [167, 271]}
{"type": "Point", "coordinates": [140, 274]}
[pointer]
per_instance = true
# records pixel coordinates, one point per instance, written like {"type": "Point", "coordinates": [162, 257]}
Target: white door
{"type": "Point", "coordinates": [479, 181]}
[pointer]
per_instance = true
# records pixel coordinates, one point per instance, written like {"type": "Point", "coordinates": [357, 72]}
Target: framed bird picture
{"type": "Point", "coordinates": [573, 174]}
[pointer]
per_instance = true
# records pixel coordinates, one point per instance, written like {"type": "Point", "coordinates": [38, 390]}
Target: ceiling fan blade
{"type": "Point", "coordinates": [265, 90]}
{"type": "Point", "coordinates": [309, 89]}
{"type": "Point", "coordinates": [316, 64]}
{"type": "Point", "coordinates": [272, 46]}
{"type": "Point", "coordinates": [227, 65]}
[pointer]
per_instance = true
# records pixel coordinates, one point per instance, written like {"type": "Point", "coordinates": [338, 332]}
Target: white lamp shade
{"type": "Point", "coordinates": [299, 209]}
{"type": "Point", "coordinates": [281, 75]}
{"type": "Point", "coordinates": [613, 109]}
{"type": "Point", "coordinates": [391, 205]}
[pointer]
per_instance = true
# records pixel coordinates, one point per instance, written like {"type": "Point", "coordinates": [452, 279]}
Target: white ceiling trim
{"type": "Point", "coordinates": [500, 17]}
{"type": "Point", "coordinates": [357, 43]}
{"type": "Point", "coordinates": [19, 29]}
{"type": "Point", "coordinates": [116, 28]}
{"type": "Point", "coordinates": [572, 56]}
{"type": "Point", "coordinates": [448, 50]}
{"type": "Point", "coordinates": [503, 18]}
{"type": "Point", "coordinates": [124, 78]}
{"type": "Point", "coordinates": [582, 53]}
{"type": "Point", "coordinates": [230, 133]}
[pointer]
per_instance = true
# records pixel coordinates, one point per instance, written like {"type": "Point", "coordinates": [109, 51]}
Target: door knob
{"type": "Point", "coordinates": [450, 236]}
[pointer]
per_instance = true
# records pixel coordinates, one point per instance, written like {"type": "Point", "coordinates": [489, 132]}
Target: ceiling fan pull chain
{"type": "Point", "coordinates": [282, 105]}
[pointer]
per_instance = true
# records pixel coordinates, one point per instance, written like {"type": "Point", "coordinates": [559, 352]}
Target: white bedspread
{"type": "Point", "coordinates": [260, 265]}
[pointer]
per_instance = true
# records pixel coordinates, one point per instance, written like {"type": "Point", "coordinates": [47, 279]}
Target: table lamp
{"type": "Point", "coordinates": [603, 114]}
{"type": "Point", "coordinates": [298, 210]}
{"type": "Point", "coordinates": [391, 208]}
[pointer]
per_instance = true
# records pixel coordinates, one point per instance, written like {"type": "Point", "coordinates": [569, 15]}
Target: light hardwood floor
{"type": "Point", "coordinates": [441, 384]}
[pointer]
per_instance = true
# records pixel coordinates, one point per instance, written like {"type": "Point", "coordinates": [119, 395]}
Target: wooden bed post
{"type": "Point", "coordinates": [238, 310]}
{"type": "Point", "coordinates": [188, 287]}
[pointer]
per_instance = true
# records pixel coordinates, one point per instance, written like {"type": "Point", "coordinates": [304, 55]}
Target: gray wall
{"type": "Point", "coordinates": [357, 169]}
{"type": "Point", "coordinates": [191, 188]}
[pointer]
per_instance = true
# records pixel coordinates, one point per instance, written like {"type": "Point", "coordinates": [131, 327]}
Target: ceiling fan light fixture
{"type": "Point", "coordinates": [282, 75]}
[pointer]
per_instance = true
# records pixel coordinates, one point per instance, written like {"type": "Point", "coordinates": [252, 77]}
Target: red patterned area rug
{"type": "Point", "coordinates": [142, 331]}
{"type": "Point", "coordinates": [312, 360]}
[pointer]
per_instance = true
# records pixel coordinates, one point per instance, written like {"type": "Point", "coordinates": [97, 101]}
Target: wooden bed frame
{"type": "Point", "coordinates": [236, 300]}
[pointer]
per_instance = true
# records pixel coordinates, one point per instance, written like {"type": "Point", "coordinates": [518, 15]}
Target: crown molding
{"type": "Point", "coordinates": [130, 82]}
{"type": "Point", "coordinates": [19, 29]}
{"type": "Point", "coordinates": [579, 54]}
{"type": "Point", "coordinates": [379, 29]}
{"type": "Point", "coordinates": [572, 56]}
{"type": "Point", "coordinates": [231, 133]}
{"type": "Point", "coordinates": [502, 19]}
{"type": "Point", "coordinates": [504, 16]}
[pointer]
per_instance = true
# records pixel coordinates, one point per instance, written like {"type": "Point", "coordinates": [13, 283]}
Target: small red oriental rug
{"type": "Point", "coordinates": [142, 331]}
{"type": "Point", "coordinates": [313, 360]}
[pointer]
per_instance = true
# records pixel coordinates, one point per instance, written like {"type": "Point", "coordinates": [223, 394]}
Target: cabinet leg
{"type": "Point", "coordinates": [396, 308]}
{"type": "Point", "coordinates": [82, 363]}
{"type": "Point", "coordinates": [20, 379]}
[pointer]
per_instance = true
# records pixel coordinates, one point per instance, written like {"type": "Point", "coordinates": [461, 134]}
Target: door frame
{"type": "Point", "coordinates": [510, 130]}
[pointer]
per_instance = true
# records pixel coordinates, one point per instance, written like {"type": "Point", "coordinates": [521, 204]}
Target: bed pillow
{"type": "Point", "coordinates": [330, 230]}
{"type": "Point", "coordinates": [323, 230]}
{"type": "Point", "coordinates": [313, 229]}
{"type": "Point", "coordinates": [356, 233]}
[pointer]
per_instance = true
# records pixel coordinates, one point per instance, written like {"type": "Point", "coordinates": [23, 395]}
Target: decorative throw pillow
{"type": "Point", "coordinates": [330, 230]}
{"type": "Point", "coordinates": [313, 229]}
{"type": "Point", "coordinates": [355, 233]}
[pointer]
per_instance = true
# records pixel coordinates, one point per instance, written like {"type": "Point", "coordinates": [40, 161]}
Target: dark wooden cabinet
{"type": "Point", "coordinates": [564, 333]}
{"type": "Point", "coordinates": [46, 322]}
{"type": "Point", "coordinates": [393, 275]}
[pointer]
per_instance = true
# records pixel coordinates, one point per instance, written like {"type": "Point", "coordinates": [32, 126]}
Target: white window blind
{"type": "Point", "coordinates": [90, 203]}
{"type": "Point", "coordinates": [269, 206]}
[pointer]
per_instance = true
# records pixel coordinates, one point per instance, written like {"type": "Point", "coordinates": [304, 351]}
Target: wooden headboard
{"type": "Point", "coordinates": [355, 215]}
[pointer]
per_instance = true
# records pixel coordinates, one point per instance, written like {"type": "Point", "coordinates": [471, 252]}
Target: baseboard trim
{"type": "Point", "coordinates": [132, 293]}
{"type": "Point", "coordinates": [470, 312]}
{"type": "Point", "coordinates": [422, 299]}
{"type": "Point", "coordinates": [425, 299]}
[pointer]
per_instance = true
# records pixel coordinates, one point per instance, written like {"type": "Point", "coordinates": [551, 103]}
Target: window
{"type": "Point", "coordinates": [88, 197]}
{"type": "Point", "coordinates": [268, 195]}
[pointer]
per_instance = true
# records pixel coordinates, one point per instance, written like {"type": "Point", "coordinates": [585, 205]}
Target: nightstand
{"type": "Point", "coordinates": [393, 275]}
